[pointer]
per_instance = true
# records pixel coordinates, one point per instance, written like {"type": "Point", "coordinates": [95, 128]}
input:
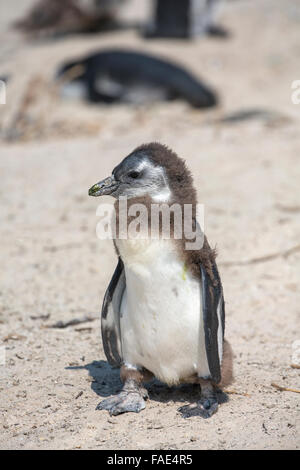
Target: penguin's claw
{"type": "Point", "coordinates": [205, 408]}
{"type": "Point", "coordinates": [122, 403]}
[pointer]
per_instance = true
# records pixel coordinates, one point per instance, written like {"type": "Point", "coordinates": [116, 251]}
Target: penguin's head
{"type": "Point", "coordinates": [150, 170]}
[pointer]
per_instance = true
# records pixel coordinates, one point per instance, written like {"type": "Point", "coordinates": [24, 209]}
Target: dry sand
{"type": "Point", "coordinates": [53, 268]}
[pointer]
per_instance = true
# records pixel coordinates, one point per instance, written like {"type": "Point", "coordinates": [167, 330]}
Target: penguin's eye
{"type": "Point", "coordinates": [134, 174]}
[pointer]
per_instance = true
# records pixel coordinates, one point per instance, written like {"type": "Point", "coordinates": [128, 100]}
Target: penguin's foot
{"type": "Point", "coordinates": [206, 406]}
{"type": "Point", "coordinates": [131, 398]}
{"type": "Point", "coordinates": [123, 403]}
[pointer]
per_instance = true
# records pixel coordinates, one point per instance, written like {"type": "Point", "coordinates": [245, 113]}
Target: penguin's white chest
{"type": "Point", "coordinates": [161, 319]}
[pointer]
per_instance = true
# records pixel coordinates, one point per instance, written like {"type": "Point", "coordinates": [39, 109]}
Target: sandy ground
{"type": "Point", "coordinates": [53, 267]}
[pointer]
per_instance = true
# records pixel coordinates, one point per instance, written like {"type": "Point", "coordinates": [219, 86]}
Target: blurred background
{"type": "Point", "coordinates": [213, 80]}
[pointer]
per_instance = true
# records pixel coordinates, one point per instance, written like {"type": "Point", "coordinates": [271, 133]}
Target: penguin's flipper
{"type": "Point", "coordinates": [110, 316]}
{"type": "Point", "coordinates": [213, 319]}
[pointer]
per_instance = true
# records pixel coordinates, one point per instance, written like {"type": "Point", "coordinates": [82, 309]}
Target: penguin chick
{"type": "Point", "coordinates": [163, 313]}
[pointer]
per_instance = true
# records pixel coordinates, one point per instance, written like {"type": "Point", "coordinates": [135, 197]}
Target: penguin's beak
{"type": "Point", "coordinates": [104, 187]}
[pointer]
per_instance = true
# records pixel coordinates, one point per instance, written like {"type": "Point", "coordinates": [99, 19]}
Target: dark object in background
{"type": "Point", "coordinates": [133, 77]}
{"type": "Point", "coordinates": [269, 117]}
{"type": "Point", "coordinates": [184, 19]}
{"type": "Point", "coordinates": [4, 78]}
{"type": "Point", "coordinates": [57, 17]}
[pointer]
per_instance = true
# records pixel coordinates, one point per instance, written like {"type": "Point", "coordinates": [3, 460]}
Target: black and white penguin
{"type": "Point", "coordinates": [128, 76]}
{"type": "Point", "coordinates": [184, 19]}
{"type": "Point", "coordinates": [163, 312]}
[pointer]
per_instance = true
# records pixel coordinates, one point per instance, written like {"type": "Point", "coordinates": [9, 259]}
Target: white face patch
{"type": "Point", "coordinates": [142, 165]}
{"type": "Point", "coordinates": [162, 196]}
{"type": "Point", "coordinates": [154, 183]}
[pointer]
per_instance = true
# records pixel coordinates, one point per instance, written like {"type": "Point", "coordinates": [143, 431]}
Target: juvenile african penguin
{"type": "Point", "coordinates": [163, 312]}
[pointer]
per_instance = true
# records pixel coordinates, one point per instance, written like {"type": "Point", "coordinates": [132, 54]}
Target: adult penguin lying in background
{"type": "Point", "coordinates": [113, 76]}
{"type": "Point", "coordinates": [163, 312]}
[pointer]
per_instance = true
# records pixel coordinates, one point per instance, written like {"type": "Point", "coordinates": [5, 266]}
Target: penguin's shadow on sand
{"type": "Point", "coordinates": [105, 381]}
